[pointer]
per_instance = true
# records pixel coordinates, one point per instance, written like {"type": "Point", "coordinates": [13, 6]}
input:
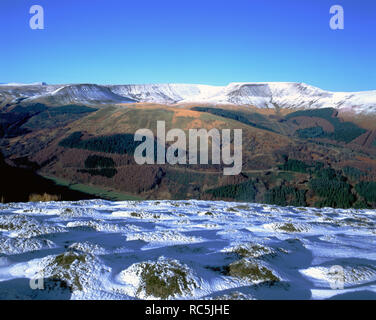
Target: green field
{"type": "Point", "coordinates": [102, 193]}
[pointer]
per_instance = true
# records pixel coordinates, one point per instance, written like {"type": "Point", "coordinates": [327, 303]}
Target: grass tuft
{"type": "Point", "coordinates": [44, 197]}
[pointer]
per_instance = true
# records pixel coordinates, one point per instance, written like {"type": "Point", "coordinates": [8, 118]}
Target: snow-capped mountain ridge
{"type": "Point", "coordinates": [90, 93]}
{"type": "Point", "coordinates": [258, 94]}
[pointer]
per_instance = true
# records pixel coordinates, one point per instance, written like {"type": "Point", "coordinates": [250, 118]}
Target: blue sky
{"type": "Point", "coordinates": [190, 41]}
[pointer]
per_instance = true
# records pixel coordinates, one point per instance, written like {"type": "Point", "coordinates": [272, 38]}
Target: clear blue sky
{"type": "Point", "coordinates": [190, 41]}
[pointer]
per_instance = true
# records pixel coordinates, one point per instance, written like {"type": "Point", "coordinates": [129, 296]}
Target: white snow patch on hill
{"type": "Point", "coordinates": [292, 95]}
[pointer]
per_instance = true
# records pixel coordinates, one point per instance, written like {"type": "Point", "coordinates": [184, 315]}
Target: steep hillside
{"type": "Point", "coordinates": [307, 157]}
{"type": "Point", "coordinates": [301, 145]}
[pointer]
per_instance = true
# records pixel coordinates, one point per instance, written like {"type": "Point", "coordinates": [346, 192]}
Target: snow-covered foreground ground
{"type": "Point", "coordinates": [185, 250]}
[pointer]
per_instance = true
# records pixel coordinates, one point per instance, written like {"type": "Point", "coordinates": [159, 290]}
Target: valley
{"type": "Point", "coordinates": [292, 155]}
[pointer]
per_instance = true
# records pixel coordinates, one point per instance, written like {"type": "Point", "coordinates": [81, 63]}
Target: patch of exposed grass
{"type": "Point", "coordinates": [242, 207]}
{"type": "Point", "coordinates": [136, 214]}
{"type": "Point", "coordinates": [249, 269]}
{"type": "Point", "coordinates": [66, 266]}
{"type": "Point", "coordinates": [252, 250]}
{"type": "Point", "coordinates": [288, 227]}
{"type": "Point", "coordinates": [164, 280]}
{"type": "Point", "coordinates": [7, 222]}
{"type": "Point", "coordinates": [65, 260]}
{"type": "Point", "coordinates": [8, 226]}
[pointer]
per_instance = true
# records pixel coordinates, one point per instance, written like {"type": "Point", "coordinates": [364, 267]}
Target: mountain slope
{"type": "Point", "coordinates": [288, 95]}
{"type": "Point", "coordinates": [282, 155]}
{"type": "Point", "coordinates": [85, 93]}
{"type": "Point", "coordinates": [296, 151]}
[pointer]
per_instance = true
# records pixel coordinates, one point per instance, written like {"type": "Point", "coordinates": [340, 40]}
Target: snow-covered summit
{"type": "Point", "coordinates": [259, 94]}
{"type": "Point", "coordinates": [292, 95]}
